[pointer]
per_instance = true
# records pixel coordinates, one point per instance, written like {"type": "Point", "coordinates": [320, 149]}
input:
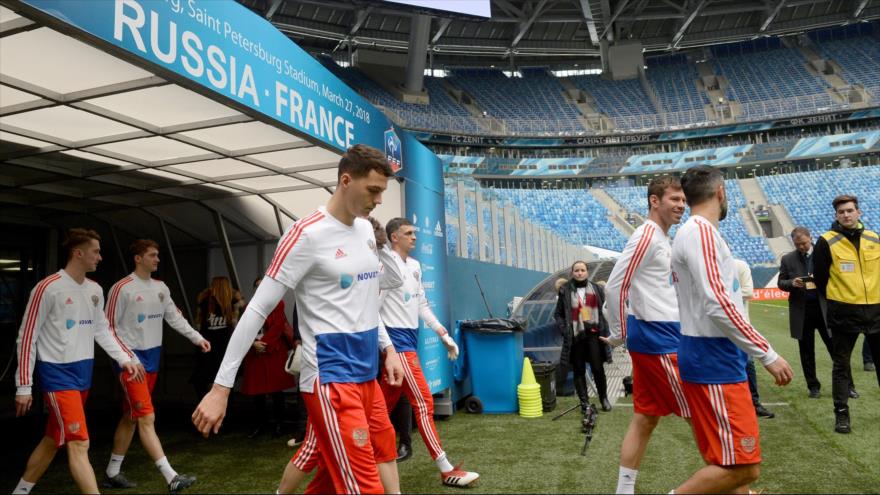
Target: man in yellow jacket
{"type": "Point", "coordinates": [847, 273]}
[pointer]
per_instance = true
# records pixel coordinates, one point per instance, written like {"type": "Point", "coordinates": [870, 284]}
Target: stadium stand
{"type": "Point", "coordinates": [754, 250]}
{"type": "Point", "coordinates": [859, 57]}
{"type": "Point", "coordinates": [807, 195]}
{"type": "Point", "coordinates": [674, 82]}
{"type": "Point", "coordinates": [617, 98]}
{"type": "Point", "coordinates": [533, 103]}
{"type": "Point", "coordinates": [764, 70]}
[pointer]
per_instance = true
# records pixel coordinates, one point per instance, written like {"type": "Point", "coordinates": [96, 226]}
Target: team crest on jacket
{"type": "Point", "coordinates": [94, 300]}
{"type": "Point", "coordinates": [748, 444]}
{"type": "Point", "coordinates": [417, 275]}
{"type": "Point", "coordinates": [371, 244]}
{"type": "Point", "coordinates": [161, 297]}
{"type": "Point", "coordinates": [361, 437]}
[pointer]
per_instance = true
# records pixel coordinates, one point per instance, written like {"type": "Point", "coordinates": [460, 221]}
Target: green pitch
{"type": "Point", "coordinates": [802, 454]}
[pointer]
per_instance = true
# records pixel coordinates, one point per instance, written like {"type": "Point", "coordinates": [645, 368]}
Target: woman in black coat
{"type": "Point", "coordinates": [580, 321]}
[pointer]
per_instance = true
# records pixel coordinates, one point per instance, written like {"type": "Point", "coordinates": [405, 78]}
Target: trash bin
{"type": "Point", "coordinates": [545, 375]}
{"type": "Point", "coordinates": [494, 353]}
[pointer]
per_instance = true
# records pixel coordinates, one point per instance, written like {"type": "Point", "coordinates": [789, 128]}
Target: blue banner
{"type": "Point", "coordinates": [423, 195]}
{"type": "Point", "coordinates": [225, 47]}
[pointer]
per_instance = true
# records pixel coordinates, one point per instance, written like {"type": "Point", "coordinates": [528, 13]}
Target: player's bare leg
{"type": "Point", "coordinates": [80, 467]}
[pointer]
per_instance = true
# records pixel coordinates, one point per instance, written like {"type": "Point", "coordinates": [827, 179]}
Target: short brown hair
{"type": "Point", "coordinates": [360, 159]}
{"type": "Point", "coordinates": [140, 246]}
{"type": "Point", "coordinates": [799, 231]}
{"type": "Point", "coordinates": [76, 237]}
{"type": "Point", "coordinates": [845, 198]}
{"type": "Point", "coordinates": [659, 185]}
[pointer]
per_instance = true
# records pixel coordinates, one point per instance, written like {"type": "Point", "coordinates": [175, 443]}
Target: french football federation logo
{"type": "Point", "coordinates": [393, 150]}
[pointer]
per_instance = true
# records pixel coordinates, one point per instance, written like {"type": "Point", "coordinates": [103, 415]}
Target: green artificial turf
{"type": "Point", "coordinates": [802, 454]}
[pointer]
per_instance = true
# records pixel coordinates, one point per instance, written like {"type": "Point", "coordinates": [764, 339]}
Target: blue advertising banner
{"type": "Point", "coordinates": [423, 195]}
{"type": "Point", "coordinates": [227, 49]}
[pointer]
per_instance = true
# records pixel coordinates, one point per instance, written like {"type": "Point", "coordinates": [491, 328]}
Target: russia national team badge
{"type": "Point", "coordinates": [748, 444]}
{"type": "Point", "coordinates": [417, 275]}
{"type": "Point", "coordinates": [361, 437]}
{"type": "Point", "coordinates": [161, 297]}
{"type": "Point", "coordinates": [95, 300]}
{"type": "Point", "coordinates": [371, 244]}
{"type": "Point", "coordinates": [73, 427]}
{"type": "Point", "coordinates": [393, 150]}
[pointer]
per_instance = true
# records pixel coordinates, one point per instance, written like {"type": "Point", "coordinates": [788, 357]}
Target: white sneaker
{"type": "Point", "coordinates": [458, 477]}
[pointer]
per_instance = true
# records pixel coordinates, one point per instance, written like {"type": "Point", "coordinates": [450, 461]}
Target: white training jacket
{"type": "Point", "coordinates": [402, 307]}
{"type": "Point", "coordinates": [715, 333]}
{"type": "Point", "coordinates": [640, 302]}
{"type": "Point", "coordinates": [136, 308]}
{"type": "Point", "coordinates": [61, 324]}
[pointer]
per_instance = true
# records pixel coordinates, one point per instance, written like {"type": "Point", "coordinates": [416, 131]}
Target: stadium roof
{"type": "Point", "coordinates": [87, 133]}
{"type": "Point", "coordinates": [568, 31]}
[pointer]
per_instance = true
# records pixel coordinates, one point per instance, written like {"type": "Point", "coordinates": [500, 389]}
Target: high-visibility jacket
{"type": "Point", "coordinates": [854, 275]}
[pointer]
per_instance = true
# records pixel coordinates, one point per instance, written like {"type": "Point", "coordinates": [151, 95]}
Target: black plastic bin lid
{"type": "Point", "coordinates": [493, 325]}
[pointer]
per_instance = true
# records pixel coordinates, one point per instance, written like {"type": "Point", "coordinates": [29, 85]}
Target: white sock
{"type": "Point", "coordinates": [114, 465]}
{"type": "Point", "coordinates": [626, 480]}
{"type": "Point", "coordinates": [672, 492]}
{"type": "Point", "coordinates": [443, 464]}
{"type": "Point", "coordinates": [165, 468]}
{"type": "Point", "coordinates": [23, 486]}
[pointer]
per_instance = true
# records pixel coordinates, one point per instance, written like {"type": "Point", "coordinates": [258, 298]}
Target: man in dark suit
{"type": "Point", "coordinates": [806, 308]}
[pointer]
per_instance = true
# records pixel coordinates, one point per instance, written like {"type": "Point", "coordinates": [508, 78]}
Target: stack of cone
{"type": "Point", "coordinates": [529, 393]}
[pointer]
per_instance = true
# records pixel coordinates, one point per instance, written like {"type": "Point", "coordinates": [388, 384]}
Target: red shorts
{"type": "Point", "coordinates": [657, 389]}
{"type": "Point", "coordinates": [137, 400]}
{"type": "Point", "coordinates": [724, 423]}
{"type": "Point", "coordinates": [67, 416]}
{"type": "Point", "coordinates": [351, 433]}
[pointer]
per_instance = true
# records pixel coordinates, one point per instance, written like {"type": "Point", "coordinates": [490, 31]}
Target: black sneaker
{"type": "Point", "coordinates": [869, 366]}
{"type": "Point", "coordinates": [404, 452]}
{"type": "Point", "coordinates": [814, 393]}
{"type": "Point", "coordinates": [118, 481]}
{"type": "Point", "coordinates": [853, 394]}
{"type": "Point", "coordinates": [606, 405]}
{"type": "Point", "coordinates": [841, 423]}
{"type": "Point", "coordinates": [180, 482]}
{"type": "Point", "coordinates": [763, 412]}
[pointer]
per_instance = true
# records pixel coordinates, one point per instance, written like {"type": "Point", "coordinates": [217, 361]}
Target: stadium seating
{"type": "Point", "coordinates": [533, 103]}
{"type": "Point", "coordinates": [674, 82]}
{"type": "Point", "coordinates": [754, 250]}
{"type": "Point", "coordinates": [759, 72]}
{"type": "Point", "coordinates": [624, 98]}
{"type": "Point", "coordinates": [807, 195]}
{"type": "Point", "coordinates": [859, 58]}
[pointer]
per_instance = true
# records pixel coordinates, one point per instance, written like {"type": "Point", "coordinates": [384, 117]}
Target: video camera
{"type": "Point", "coordinates": [587, 424]}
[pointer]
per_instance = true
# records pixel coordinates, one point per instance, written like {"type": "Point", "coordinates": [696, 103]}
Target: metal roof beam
{"type": "Point", "coordinates": [687, 22]}
{"type": "Point", "coordinates": [859, 8]}
{"type": "Point", "coordinates": [614, 17]}
{"type": "Point", "coordinates": [273, 7]}
{"type": "Point", "coordinates": [362, 16]}
{"type": "Point", "coordinates": [772, 15]}
{"type": "Point", "coordinates": [509, 9]}
{"type": "Point", "coordinates": [588, 18]}
{"type": "Point", "coordinates": [441, 30]}
{"type": "Point", "coordinates": [524, 27]}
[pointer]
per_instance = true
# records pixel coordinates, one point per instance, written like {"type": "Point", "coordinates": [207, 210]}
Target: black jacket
{"type": "Point", "coordinates": [843, 317]}
{"type": "Point", "coordinates": [791, 267]}
{"type": "Point", "coordinates": [563, 318]}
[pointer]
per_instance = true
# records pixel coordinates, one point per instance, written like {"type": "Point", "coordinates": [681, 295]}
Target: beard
{"type": "Point", "coordinates": [723, 210]}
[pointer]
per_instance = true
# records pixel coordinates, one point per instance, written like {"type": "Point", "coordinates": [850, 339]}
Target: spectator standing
{"type": "Point", "coordinates": [747, 291]}
{"type": "Point", "coordinates": [219, 307]}
{"type": "Point", "coordinates": [264, 373]}
{"type": "Point", "coordinates": [847, 273]}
